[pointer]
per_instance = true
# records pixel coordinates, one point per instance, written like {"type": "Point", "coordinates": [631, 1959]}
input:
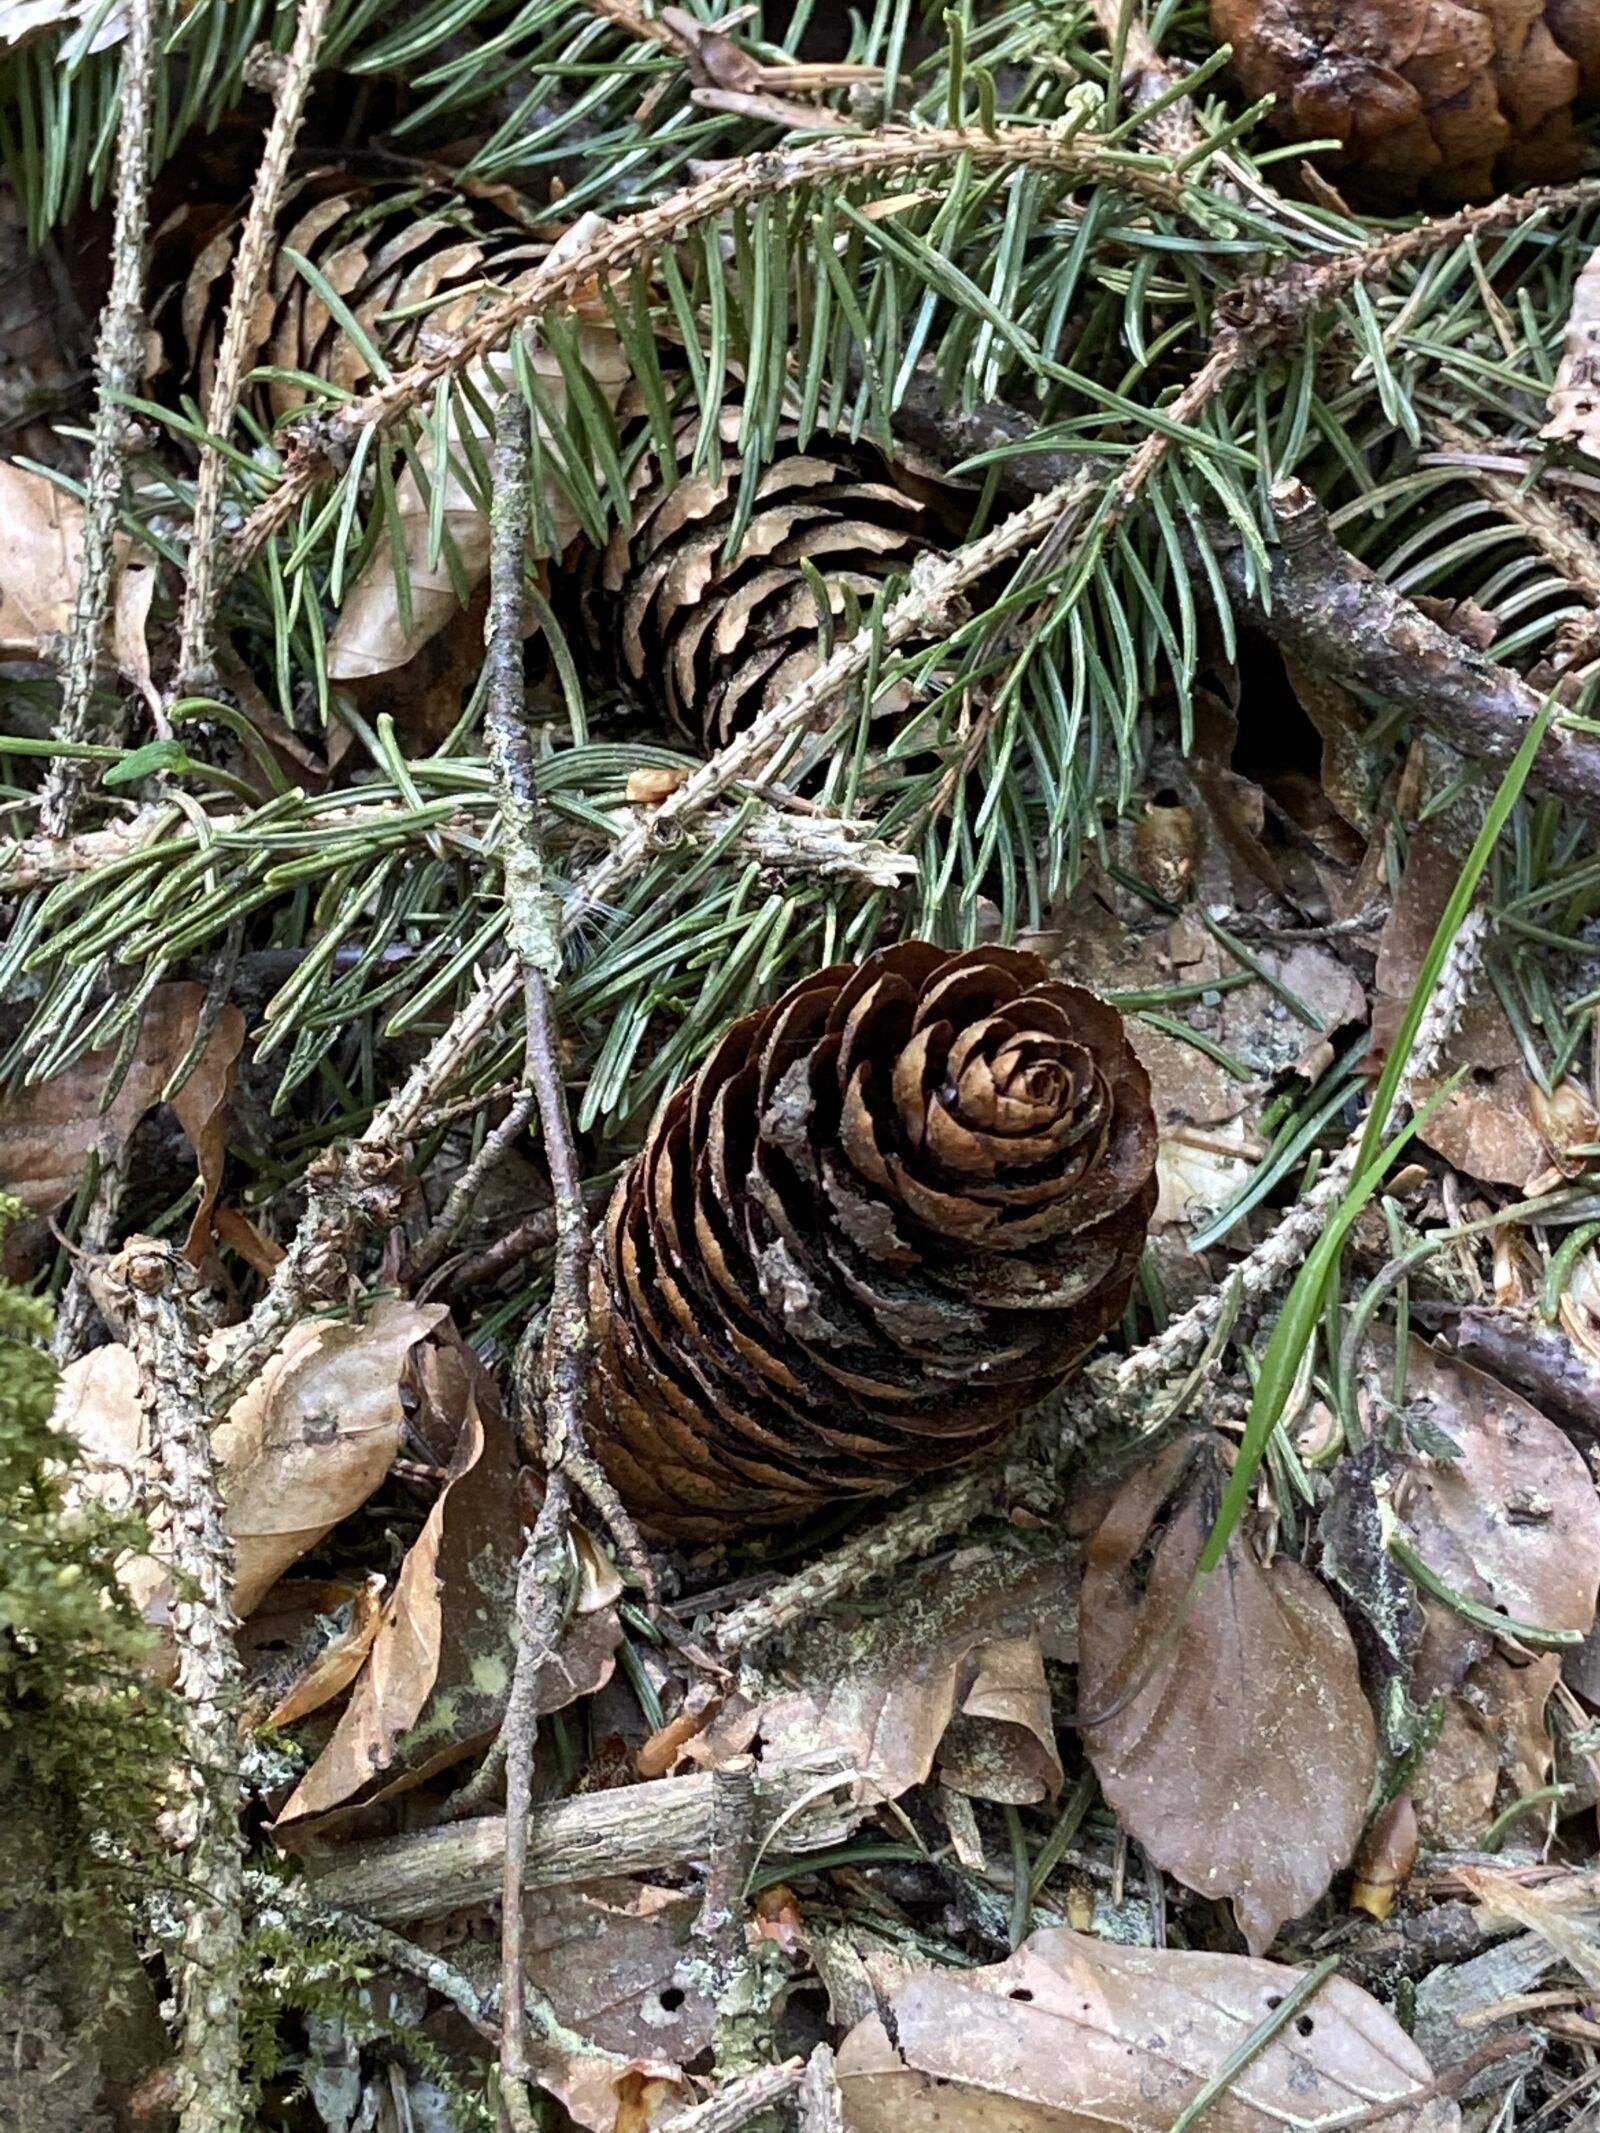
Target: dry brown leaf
{"type": "Point", "coordinates": [1486, 1127]}
{"type": "Point", "coordinates": [956, 1659]}
{"type": "Point", "coordinates": [1565, 1915]}
{"type": "Point", "coordinates": [607, 1957]}
{"type": "Point", "coordinates": [1244, 1763]}
{"type": "Point", "coordinates": [304, 1445]}
{"type": "Point", "coordinates": [1076, 2035]}
{"type": "Point", "coordinates": [1575, 397]}
{"type": "Point", "coordinates": [22, 19]}
{"type": "Point", "coordinates": [311, 1438]}
{"type": "Point", "coordinates": [339, 1661]}
{"type": "Point", "coordinates": [1513, 1524]}
{"type": "Point", "coordinates": [434, 1685]}
{"type": "Point", "coordinates": [48, 1132]}
{"type": "Point", "coordinates": [371, 635]}
{"type": "Point", "coordinates": [39, 565]}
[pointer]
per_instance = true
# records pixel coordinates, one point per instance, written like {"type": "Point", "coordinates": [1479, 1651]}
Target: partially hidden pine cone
{"type": "Point", "coordinates": [887, 1215]}
{"type": "Point", "coordinates": [1437, 100]}
{"type": "Point", "coordinates": [409, 262]}
{"type": "Point", "coordinates": [706, 638]}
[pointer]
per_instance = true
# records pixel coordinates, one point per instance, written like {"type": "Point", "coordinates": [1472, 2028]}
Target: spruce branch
{"type": "Point", "coordinates": [119, 355]}
{"type": "Point", "coordinates": [1340, 617]}
{"type": "Point", "coordinates": [620, 246]}
{"type": "Point", "coordinates": [251, 264]}
{"type": "Point", "coordinates": [154, 1290]}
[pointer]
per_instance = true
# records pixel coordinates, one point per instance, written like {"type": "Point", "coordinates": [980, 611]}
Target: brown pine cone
{"type": "Point", "coordinates": [1441, 100]}
{"type": "Point", "coordinates": [704, 639]}
{"type": "Point", "coordinates": [408, 261]}
{"type": "Point", "coordinates": [886, 1216]}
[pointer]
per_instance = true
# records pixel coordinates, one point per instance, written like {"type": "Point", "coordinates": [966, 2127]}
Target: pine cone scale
{"type": "Point", "coordinates": [1449, 99]}
{"type": "Point", "coordinates": [885, 1216]}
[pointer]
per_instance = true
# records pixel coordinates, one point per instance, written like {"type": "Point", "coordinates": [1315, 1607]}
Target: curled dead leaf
{"type": "Point", "coordinates": [1075, 2035]}
{"type": "Point", "coordinates": [1386, 1859]}
{"type": "Point", "coordinates": [952, 1672]}
{"type": "Point", "coordinates": [435, 1682]}
{"type": "Point", "coordinates": [339, 1661]}
{"type": "Point", "coordinates": [49, 1131]}
{"type": "Point", "coordinates": [1243, 1758]}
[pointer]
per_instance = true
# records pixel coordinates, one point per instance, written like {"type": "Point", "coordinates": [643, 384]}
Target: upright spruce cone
{"type": "Point", "coordinates": [706, 639]}
{"type": "Point", "coordinates": [887, 1215]}
{"type": "Point", "coordinates": [1441, 100]}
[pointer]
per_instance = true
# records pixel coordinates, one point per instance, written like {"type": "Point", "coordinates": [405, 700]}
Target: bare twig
{"type": "Point", "coordinates": [459, 1201]}
{"type": "Point", "coordinates": [913, 1531]}
{"type": "Point", "coordinates": [631, 1829]}
{"type": "Point", "coordinates": [118, 356]}
{"type": "Point", "coordinates": [619, 246]}
{"type": "Point", "coordinates": [155, 1287]}
{"type": "Point", "coordinates": [739, 2101]}
{"type": "Point", "coordinates": [349, 1192]}
{"type": "Point", "coordinates": [1338, 616]}
{"type": "Point", "coordinates": [820, 2106]}
{"type": "Point", "coordinates": [202, 577]}
{"type": "Point", "coordinates": [541, 1588]}
{"type": "Point", "coordinates": [536, 948]}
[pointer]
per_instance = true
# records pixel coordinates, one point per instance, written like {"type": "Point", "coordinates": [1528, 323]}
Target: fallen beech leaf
{"type": "Point", "coordinates": [49, 1131]}
{"type": "Point", "coordinates": [1486, 1127]}
{"type": "Point", "coordinates": [434, 1685]}
{"type": "Point", "coordinates": [1513, 1525]}
{"type": "Point", "coordinates": [339, 1661]}
{"type": "Point", "coordinates": [607, 1958]}
{"type": "Point", "coordinates": [877, 1699]}
{"type": "Point", "coordinates": [1514, 1522]}
{"type": "Point", "coordinates": [310, 1439]}
{"type": "Point", "coordinates": [1244, 1763]}
{"type": "Point", "coordinates": [1075, 2035]}
{"type": "Point", "coordinates": [39, 557]}
{"type": "Point", "coordinates": [305, 1443]}
{"type": "Point", "coordinates": [371, 636]}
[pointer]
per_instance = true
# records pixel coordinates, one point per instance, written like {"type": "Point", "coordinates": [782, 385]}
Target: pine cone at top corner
{"type": "Point", "coordinates": [408, 259]}
{"type": "Point", "coordinates": [887, 1215]}
{"type": "Point", "coordinates": [704, 639]}
{"type": "Point", "coordinates": [1435, 100]}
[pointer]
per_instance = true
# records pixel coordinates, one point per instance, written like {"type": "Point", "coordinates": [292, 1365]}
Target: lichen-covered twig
{"type": "Point", "coordinates": [912, 1531]}
{"type": "Point", "coordinates": [118, 357]}
{"type": "Point", "coordinates": [349, 1192]}
{"type": "Point", "coordinates": [619, 246]}
{"type": "Point", "coordinates": [153, 1287]}
{"type": "Point", "coordinates": [739, 2101]}
{"type": "Point", "coordinates": [819, 2104]}
{"type": "Point", "coordinates": [628, 1829]}
{"type": "Point", "coordinates": [742, 2031]}
{"type": "Point", "coordinates": [253, 259]}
